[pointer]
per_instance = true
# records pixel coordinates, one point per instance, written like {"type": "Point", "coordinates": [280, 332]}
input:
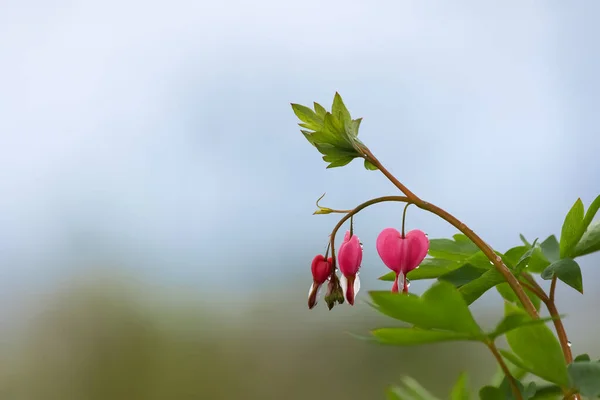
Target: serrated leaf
{"type": "Point", "coordinates": [309, 117]}
{"type": "Point", "coordinates": [369, 166]}
{"type": "Point", "coordinates": [460, 391]}
{"type": "Point", "coordinates": [572, 229]}
{"type": "Point", "coordinates": [440, 307]}
{"type": "Point", "coordinates": [568, 271]}
{"type": "Point", "coordinates": [416, 336]}
{"type": "Point", "coordinates": [320, 110]}
{"type": "Point", "coordinates": [538, 350]}
{"type": "Point", "coordinates": [585, 376]}
{"type": "Point", "coordinates": [339, 162]}
{"type": "Point", "coordinates": [590, 241]}
{"type": "Point", "coordinates": [339, 110]}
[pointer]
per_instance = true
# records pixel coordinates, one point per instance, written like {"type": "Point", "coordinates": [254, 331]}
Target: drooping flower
{"type": "Point", "coordinates": [402, 254]}
{"type": "Point", "coordinates": [349, 259]}
{"type": "Point", "coordinates": [321, 269]}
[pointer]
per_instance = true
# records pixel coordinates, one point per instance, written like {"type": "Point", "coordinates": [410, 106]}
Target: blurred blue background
{"type": "Point", "coordinates": [151, 169]}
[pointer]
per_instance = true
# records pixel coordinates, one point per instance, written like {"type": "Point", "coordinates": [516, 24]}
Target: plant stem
{"type": "Point", "coordinates": [356, 210]}
{"type": "Point", "coordinates": [404, 218]}
{"type": "Point", "coordinates": [485, 248]}
{"type": "Point", "coordinates": [511, 380]}
{"type": "Point", "coordinates": [558, 325]}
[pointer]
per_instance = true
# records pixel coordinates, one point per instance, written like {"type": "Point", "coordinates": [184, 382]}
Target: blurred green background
{"type": "Point", "coordinates": [111, 337]}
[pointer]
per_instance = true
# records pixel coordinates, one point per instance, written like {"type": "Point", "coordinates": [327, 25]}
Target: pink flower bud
{"type": "Point", "coordinates": [349, 260]}
{"type": "Point", "coordinates": [321, 269]}
{"type": "Point", "coordinates": [402, 255]}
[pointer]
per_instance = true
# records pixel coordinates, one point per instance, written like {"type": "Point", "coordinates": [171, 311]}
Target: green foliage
{"type": "Point", "coordinates": [537, 349]}
{"type": "Point", "coordinates": [440, 307]}
{"type": "Point", "coordinates": [456, 250]}
{"type": "Point", "coordinates": [567, 270]}
{"type": "Point", "coordinates": [463, 274]}
{"type": "Point", "coordinates": [585, 377]}
{"type": "Point", "coordinates": [572, 229]}
{"type": "Point", "coordinates": [578, 238]}
{"type": "Point", "coordinates": [334, 134]}
{"type": "Point", "coordinates": [460, 391]}
{"type": "Point", "coordinates": [513, 320]}
{"type": "Point", "coordinates": [416, 336]}
{"type": "Point", "coordinates": [590, 241]}
{"type": "Point", "coordinates": [409, 390]}
{"type": "Point", "coordinates": [476, 288]}
{"type": "Point", "coordinates": [509, 295]}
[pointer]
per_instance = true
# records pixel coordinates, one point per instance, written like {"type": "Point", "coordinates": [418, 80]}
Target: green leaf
{"type": "Point", "coordinates": [591, 213]}
{"type": "Point", "coordinates": [523, 261]}
{"type": "Point", "coordinates": [582, 357]}
{"type": "Point", "coordinates": [440, 307]}
{"type": "Point", "coordinates": [585, 376]}
{"type": "Point", "coordinates": [568, 271]}
{"type": "Point", "coordinates": [339, 110]}
{"type": "Point", "coordinates": [430, 268]}
{"type": "Point", "coordinates": [515, 320]}
{"type": "Point", "coordinates": [525, 242]}
{"type": "Point", "coordinates": [551, 248]}
{"type": "Point", "coordinates": [338, 162]}
{"type": "Point", "coordinates": [416, 390]}
{"type": "Point", "coordinates": [460, 391]}
{"type": "Point", "coordinates": [538, 261]}
{"type": "Point", "coordinates": [463, 275]}
{"type": "Point", "coordinates": [572, 229]}
{"type": "Point", "coordinates": [394, 393]}
{"type": "Point", "coordinates": [309, 117]}
{"type": "Point", "coordinates": [369, 166]}
{"type": "Point", "coordinates": [320, 110]}
{"type": "Point", "coordinates": [512, 256]}
{"type": "Point", "coordinates": [526, 392]}
{"type": "Point", "coordinates": [456, 250]}
{"type": "Point", "coordinates": [491, 393]}
{"type": "Point", "coordinates": [590, 241]}
{"type": "Point", "coordinates": [548, 392]}
{"type": "Point", "coordinates": [538, 349]}
{"type": "Point", "coordinates": [416, 336]}
{"type": "Point", "coordinates": [476, 288]}
{"type": "Point", "coordinates": [509, 295]}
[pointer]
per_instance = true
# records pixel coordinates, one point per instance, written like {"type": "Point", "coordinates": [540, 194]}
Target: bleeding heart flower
{"type": "Point", "coordinates": [402, 254]}
{"type": "Point", "coordinates": [349, 260]}
{"type": "Point", "coordinates": [321, 269]}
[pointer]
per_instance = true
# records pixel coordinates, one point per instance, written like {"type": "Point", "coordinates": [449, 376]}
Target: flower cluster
{"type": "Point", "coordinates": [400, 253]}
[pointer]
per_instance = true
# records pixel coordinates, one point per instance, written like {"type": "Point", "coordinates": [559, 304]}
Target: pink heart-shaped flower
{"type": "Point", "coordinates": [402, 255]}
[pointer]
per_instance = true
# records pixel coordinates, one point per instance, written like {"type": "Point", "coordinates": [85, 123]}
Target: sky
{"type": "Point", "coordinates": [158, 136]}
